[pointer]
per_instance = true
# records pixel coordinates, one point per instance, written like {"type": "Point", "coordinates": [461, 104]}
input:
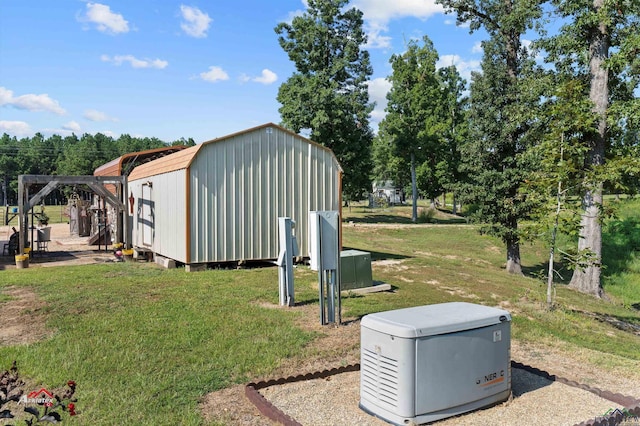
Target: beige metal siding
{"type": "Point", "coordinates": [165, 195]}
{"type": "Point", "coordinates": [240, 186]}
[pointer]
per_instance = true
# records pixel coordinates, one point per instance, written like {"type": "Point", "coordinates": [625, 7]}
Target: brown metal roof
{"type": "Point", "coordinates": [177, 161]}
{"type": "Point", "coordinates": [182, 160]}
{"type": "Point", "coordinates": [114, 167]}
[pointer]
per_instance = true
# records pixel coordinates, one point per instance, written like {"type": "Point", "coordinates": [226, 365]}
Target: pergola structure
{"type": "Point", "coordinates": [26, 201]}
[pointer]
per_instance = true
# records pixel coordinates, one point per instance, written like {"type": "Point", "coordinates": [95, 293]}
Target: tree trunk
{"type": "Point", "coordinates": [588, 280]}
{"type": "Point", "coordinates": [513, 257]}
{"type": "Point", "coordinates": [414, 190]}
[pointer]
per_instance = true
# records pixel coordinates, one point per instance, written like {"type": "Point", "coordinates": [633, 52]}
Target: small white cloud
{"type": "Point", "coordinates": [267, 77]}
{"type": "Point", "coordinates": [72, 126]}
{"type": "Point", "coordinates": [15, 128]}
{"type": "Point", "coordinates": [94, 115]}
{"type": "Point", "coordinates": [375, 39]}
{"type": "Point", "coordinates": [455, 22]}
{"type": "Point", "coordinates": [30, 102]}
{"type": "Point", "coordinates": [105, 20]}
{"type": "Point", "coordinates": [214, 74]}
{"type": "Point", "coordinates": [5, 96]}
{"type": "Point", "coordinates": [378, 89]}
{"type": "Point", "coordinates": [135, 62]}
{"type": "Point", "coordinates": [384, 10]}
{"type": "Point", "coordinates": [477, 47]}
{"type": "Point", "coordinates": [244, 78]}
{"type": "Point", "coordinates": [298, 12]}
{"type": "Point", "coordinates": [378, 13]}
{"type": "Point", "coordinates": [196, 23]}
{"type": "Point", "coordinates": [464, 67]}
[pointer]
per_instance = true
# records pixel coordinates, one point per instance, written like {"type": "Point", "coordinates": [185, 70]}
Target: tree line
{"type": "Point", "coordinates": [542, 131]}
{"type": "Point", "coordinates": [537, 136]}
{"type": "Point", "coordinates": [69, 155]}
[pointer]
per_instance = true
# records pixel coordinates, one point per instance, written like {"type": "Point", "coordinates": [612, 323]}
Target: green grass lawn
{"type": "Point", "coordinates": [145, 344]}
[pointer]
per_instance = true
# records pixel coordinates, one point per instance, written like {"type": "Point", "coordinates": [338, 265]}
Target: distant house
{"type": "Point", "coordinates": [388, 191]}
{"type": "Point", "coordinates": [219, 201]}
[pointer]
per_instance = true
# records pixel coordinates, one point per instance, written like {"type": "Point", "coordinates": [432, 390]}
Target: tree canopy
{"type": "Point", "coordinates": [69, 155]}
{"type": "Point", "coordinates": [327, 95]}
{"type": "Point", "coordinates": [503, 97]}
{"type": "Point", "coordinates": [417, 115]}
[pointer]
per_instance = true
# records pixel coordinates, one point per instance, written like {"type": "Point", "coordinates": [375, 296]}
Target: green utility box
{"type": "Point", "coordinates": [355, 269]}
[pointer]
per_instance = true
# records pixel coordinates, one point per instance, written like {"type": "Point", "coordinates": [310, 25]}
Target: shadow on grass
{"type": "Point", "coordinates": [378, 255]}
{"type": "Point", "coordinates": [404, 220]}
{"type": "Point", "coordinates": [628, 323]}
{"type": "Point", "coordinates": [562, 274]}
{"type": "Point", "coordinates": [620, 243]}
{"type": "Point", "coordinates": [380, 218]}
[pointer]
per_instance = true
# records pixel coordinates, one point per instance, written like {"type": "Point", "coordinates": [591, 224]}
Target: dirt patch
{"type": "Point", "coordinates": [22, 318]}
{"type": "Point", "coordinates": [336, 346]}
{"type": "Point", "coordinates": [64, 249]}
{"type": "Point", "coordinates": [230, 407]}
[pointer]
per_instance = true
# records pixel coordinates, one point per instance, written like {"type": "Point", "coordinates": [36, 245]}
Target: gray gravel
{"type": "Point", "coordinates": [334, 402]}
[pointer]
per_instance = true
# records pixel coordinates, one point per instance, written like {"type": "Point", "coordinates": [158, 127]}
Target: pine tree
{"type": "Point", "coordinates": [328, 95]}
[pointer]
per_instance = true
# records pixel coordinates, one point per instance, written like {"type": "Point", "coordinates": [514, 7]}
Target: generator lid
{"type": "Point", "coordinates": [436, 319]}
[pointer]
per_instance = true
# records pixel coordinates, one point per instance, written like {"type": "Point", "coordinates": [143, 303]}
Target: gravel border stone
{"type": "Point", "coordinates": [331, 398]}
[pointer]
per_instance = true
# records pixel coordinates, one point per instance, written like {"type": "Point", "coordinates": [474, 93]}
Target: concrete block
{"type": "Point", "coordinates": [166, 262]}
{"type": "Point", "coordinates": [365, 290]}
{"type": "Point", "coordinates": [195, 267]}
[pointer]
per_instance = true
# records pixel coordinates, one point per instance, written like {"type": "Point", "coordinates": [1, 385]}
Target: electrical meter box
{"type": "Point", "coordinates": [426, 363]}
{"type": "Point", "coordinates": [355, 269]}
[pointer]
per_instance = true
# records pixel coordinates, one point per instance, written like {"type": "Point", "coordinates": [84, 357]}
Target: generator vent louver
{"type": "Point", "coordinates": [379, 377]}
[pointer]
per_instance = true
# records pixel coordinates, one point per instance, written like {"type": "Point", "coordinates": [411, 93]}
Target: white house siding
{"type": "Point", "coordinates": [240, 185]}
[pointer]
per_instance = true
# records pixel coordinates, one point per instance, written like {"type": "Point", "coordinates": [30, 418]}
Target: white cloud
{"type": "Point", "coordinates": [214, 74]}
{"type": "Point", "coordinates": [30, 102]}
{"type": "Point", "coordinates": [105, 20]}
{"type": "Point", "coordinates": [385, 10]}
{"type": "Point", "coordinates": [464, 67]}
{"type": "Point", "coordinates": [196, 23]}
{"type": "Point", "coordinates": [6, 96]}
{"type": "Point", "coordinates": [16, 128]}
{"type": "Point", "coordinates": [378, 89]}
{"type": "Point", "coordinates": [477, 47]}
{"type": "Point", "coordinates": [267, 77]}
{"type": "Point", "coordinates": [298, 12]}
{"type": "Point", "coordinates": [72, 126]}
{"type": "Point", "coordinates": [135, 62]}
{"type": "Point", "coordinates": [378, 13]}
{"type": "Point", "coordinates": [94, 115]}
{"type": "Point", "coordinates": [375, 40]}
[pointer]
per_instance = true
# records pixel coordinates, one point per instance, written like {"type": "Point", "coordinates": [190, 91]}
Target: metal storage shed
{"type": "Point", "coordinates": [219, 201]}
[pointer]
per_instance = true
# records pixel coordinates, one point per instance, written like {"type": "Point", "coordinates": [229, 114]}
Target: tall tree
{"type": "Point", "coordinates": [414, 117]}
{"type": "Point", "coordinates": [386, 165]}
{"type": "Point", "coordinates": [456, 106]}
{"type": "Point", "coordinates": [327, 95]}
{"type": "Point", "coordinates": [501, 98]}
{"type": "Point", "coordinates": [601, 45]}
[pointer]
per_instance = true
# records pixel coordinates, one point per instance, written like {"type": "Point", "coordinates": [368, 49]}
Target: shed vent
{"type": "Point", "coordinates": [379, 377]}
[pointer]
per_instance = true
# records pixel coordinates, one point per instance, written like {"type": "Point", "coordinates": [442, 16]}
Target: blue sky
{"type": "Point", "coordinates": [172, 69]}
